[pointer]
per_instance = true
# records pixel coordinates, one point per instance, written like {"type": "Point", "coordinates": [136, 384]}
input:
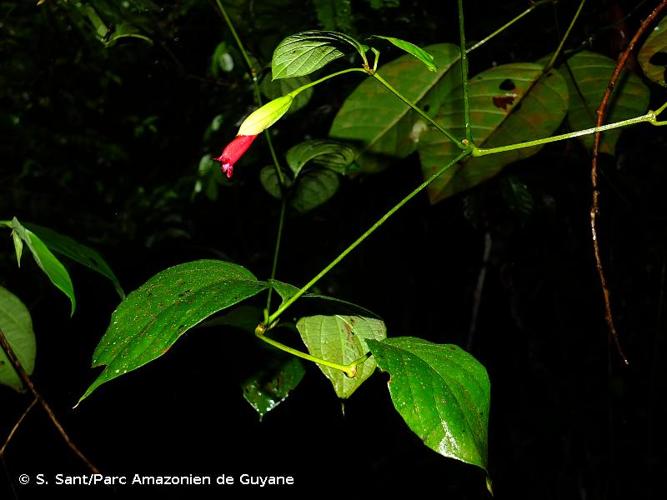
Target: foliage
{"type": "Point", "coordinates": [334, 115]}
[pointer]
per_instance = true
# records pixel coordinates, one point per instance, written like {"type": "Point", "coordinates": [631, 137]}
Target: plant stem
{"type": "Point", "coordinates": [25, 378]}
{"type": "Point", "coordinates": [559, 49]}
{"type": "Point", "coordinates": [273, 317]}
{"type": "Point", "coordinates": [276, 251]}
{"type": "Point", "coordinates": [272, 150]}
{"type": "Point", "coordinates": [507, 25]}
{"type": "Point", "coordinates": [16, 427]}
{"type": "Point", "coordinates": [464, 74]}
{"type": "Point", "coordinates": [649, 117]}
{"type": "Point", "coordinates": [244, 54]}
{"type": "Point", "coordinates": [349, 370]}
{"type": "Point", "coordinates": [595, 203]}
{"type": "Point", "coordinates": [255, 84]}
{"type": "Point", "coordinates": [327, 77]}
{"type": "Point", "coordinates": [421, 113]}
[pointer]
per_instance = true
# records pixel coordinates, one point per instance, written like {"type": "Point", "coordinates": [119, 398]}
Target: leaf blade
{"type": "Point", "coordinates": [268, 388]}
{"type": "Point", "coordinates": [341, 339]}
{"type": "Point", "coordinates": [47, 262]}
{"type": "Point", "coordinates": [510, 103]}
{"type": "Point", "coordinates": [303, 53]}
{"type": "Point", "coordinates": [441, 392]}
{"type": "Point", "coordinates": [82, 254]}
{"type": "Point", "coordinates": [153, 317]}
{"type": "Point", "coordinates": [591, 72]}
{"type": "Point", "coordinates": [16, 324]}
{"type": "Point", "coordinates": [380, 124]}
{"type": "Point", "coordinates": [414, 50]}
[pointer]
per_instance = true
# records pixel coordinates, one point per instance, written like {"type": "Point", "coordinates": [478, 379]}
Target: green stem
{"type": "Point", "coordinates": [555, 55]}
{"type": "Point", "coordinates": [267, 135]}
{"type": "Point", "coordinates": [325, 78]}
{"type": "Point", "coordinates": [349, 370]}
{"type": "Point", "coordinates": [650, 117]}
{"type": "Point", "coordinates": [421, 113]}
{"type": "Point", "coordinates": [276, 251]}
{"type": "Point", "coordinates": [255, 84]}
{"type": "Point", "coordinates": [230, 25]}
{"type": "Point", "coordinates": [508, 24]}
{"type": "Point", "coordinates": [464, 74]}
{"type": "Point", "coordinates": [273, 317]}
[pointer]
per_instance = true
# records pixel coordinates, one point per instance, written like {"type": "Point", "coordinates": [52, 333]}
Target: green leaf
{"type": "Point", "coordinates": [270, 182]}
{"type": "Point", "coordinates": [16, 324]}
{"type": "Point", "coordinates": [18, 247]}
{"type": "Point", "coordinates": [342, 340]}
{"type": "Point", "coordinates": [72, 249]}
{"type": "Point", "coordinates": [383, 126]}
{"type": "Point", "coordinates": [265, 390]}
{"type": "Point", "coordinates": [314, 188]}
{"type": "Point", "coordinates": [509, 104]}
{"type": "Point", "coordinates": [592, 72]}
{"type": "Point", "coordinates": [442, 393]}
{"type": "Point", "coordinates": [413, 50]}
{"type": "Point", "coordinates": [333, 155]}
{"type": "Point", "coordinates": [272, 89]}
{"type": "Point", "coordinates": [284, 290]}
{"type": "Point", "coordinates": [46, 261]}
{"type": "Point", "coordinates": [652, 57]}
{"type": "Point", "coordinates": [306, 52]}
{"type": "Point", "coordinates": [152, 318]}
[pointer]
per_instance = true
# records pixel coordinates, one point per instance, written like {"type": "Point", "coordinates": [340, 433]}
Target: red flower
{"type": "Point", "coordinates": [234, 150]}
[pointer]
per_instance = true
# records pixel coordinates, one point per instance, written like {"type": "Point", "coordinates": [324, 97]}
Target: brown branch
{"type": "Point", "coordinates": [595, 206]}
{"type": "Point", "coordinates": [16, 427]}
{"type": "Point", "coordinates": [25, 378]}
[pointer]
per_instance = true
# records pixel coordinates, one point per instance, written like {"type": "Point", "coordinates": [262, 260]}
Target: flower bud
{"type": "Point", "coordinates": [262, 118]}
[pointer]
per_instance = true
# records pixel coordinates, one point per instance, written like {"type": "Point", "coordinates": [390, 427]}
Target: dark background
{"type": "Point", "coordinates": [103, 144]}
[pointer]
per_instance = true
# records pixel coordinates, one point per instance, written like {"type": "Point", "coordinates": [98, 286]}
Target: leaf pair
{"type": "Point", "coordinates": [441, 392]}
{"type": "Point", "coordinates": [315, 166]}
{"type": "Point", "coordinates": [42, 242]}
{"type": "Point", "coordinates": [510, 103]}
{"type": "Point", "coordinates": [309, 51]}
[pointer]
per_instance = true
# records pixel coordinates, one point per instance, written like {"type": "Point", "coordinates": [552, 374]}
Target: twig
{"type": "Point", "coordinates": [595, 206]}
{"type": "Point", "coordinates": [16, 427]}
{"type": "Point", "coordinates": [477, 297]}
{"type": "Point", "coordinates": [25, 378]}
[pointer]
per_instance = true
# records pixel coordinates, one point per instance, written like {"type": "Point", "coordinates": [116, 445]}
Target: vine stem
{"type": "Point", "coordinates": [276, 251]}
{"type": "Point", "coordinates": [561, 44]}
{"type": "Point", "coordinates": [421, 113]}
{"type": "Point", "coordinates": [255, 84]}
{"type": "Point", "coordinates": [274, 157]}
{"type": "Point", "coordinates": [508, 24]}
{"type": "Point", "coordinates": [16, 427]}
{"type": "Point", "coordinates": [595, 202]}
{"type": "Point", "coordinates": [349, 370]}
{"type": "Point", "coordinates": [464, 74]}
{"type": "Point", "coordinates": [287, 303]}
{"type": "Point", "coordinates": [25, 378]}
{"type": "Point", "coordinates": [650, 117]}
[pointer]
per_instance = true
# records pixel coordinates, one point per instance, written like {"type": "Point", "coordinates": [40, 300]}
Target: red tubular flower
{"type": "Point", "coordinates": [234, 150]}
